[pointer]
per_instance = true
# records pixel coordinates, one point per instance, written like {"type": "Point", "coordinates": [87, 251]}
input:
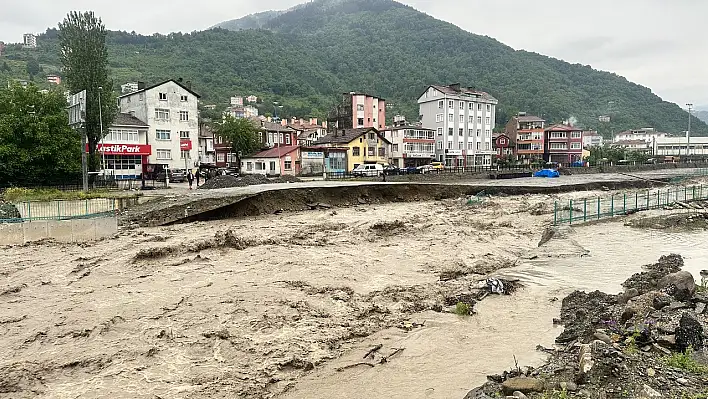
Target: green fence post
{"type": "Point", "coordinates": [571, 211]}
{"type": "Point", "coordinates": [612, 206]}
{"type": "Point", "coordinates": [585, 209]}
{"type": "Point", "coordinates": [598, 208]}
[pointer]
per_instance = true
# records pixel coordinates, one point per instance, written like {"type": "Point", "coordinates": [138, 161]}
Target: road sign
{"type": "Point", "coordinates": [77, 108]}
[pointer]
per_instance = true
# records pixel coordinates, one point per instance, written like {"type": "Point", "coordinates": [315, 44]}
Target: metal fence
{"type": "Point", "coordinates": [596, 208]}
{"type": "Point", "coordinates": [57, 210]}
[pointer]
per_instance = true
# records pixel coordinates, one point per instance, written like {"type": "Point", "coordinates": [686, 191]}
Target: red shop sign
{"type": "Point", "coordinates": [185, 144]}
{"type": "Point", "coordinates": [123, 149]}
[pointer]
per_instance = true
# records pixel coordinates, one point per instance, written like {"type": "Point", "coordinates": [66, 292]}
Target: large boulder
{"type": "Point", "coordinates": [689, 333]}
{"type": "Point", "coordinates": [680, 285]}
{"type": "Point", "coordinates": [522, 384]}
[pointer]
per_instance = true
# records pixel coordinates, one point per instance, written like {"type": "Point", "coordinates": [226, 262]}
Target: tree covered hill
{"type": "Point", "coordinates": [304, 57]}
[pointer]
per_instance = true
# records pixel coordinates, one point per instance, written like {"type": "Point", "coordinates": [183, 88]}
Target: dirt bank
{"type": "Point", "coordinates": [645, 342]}
{"type": "Point", "coordinates": [245, 308]}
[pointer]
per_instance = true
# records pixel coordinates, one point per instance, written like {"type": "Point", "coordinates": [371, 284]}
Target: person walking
{"type": "Point", "coordinates": [198, 173]}
{"type": "Point", "coordinates": [190, 178]}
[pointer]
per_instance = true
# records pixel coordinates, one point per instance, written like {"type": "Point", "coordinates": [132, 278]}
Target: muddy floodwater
{"type": "Point", "coordinates": [287, 305]}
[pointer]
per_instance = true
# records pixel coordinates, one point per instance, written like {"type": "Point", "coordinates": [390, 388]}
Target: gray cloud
{"type": "Point", "coordinates": [655, 43]}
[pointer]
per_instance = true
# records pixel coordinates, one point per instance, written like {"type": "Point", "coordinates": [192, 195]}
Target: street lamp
{"type": "Point", "coordinates": [688, 133]}
{"type": "Point", "coordinates": [100, 121]}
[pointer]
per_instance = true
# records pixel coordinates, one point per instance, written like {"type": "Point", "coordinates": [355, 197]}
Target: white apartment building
{"type": "Point", "coordinates": [411, 146]}
{"type": "Point", "coordinates": [170, 110]}
{"type": "Point", "coordinates": [125, 149]}
{"type": "Point", "coordinates": [648, 135]}
{"type": "Point", "coordinates": [29, 40]}
{"type": "Point", "coordinates": [681, 147]}
{"type": "Point", "coordinates": [463, 120]}
{"type": "Point", "coordinates": [592, 138]}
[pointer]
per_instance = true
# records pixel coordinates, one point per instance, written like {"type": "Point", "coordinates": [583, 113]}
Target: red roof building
{"type": "Point", "coordinates": [276, 161]}
{"type": "Point", "coordinates": [564, 144]}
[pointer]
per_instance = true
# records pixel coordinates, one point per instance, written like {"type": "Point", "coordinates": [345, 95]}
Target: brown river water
{"type": "Point", "coordinates": [454, 354]}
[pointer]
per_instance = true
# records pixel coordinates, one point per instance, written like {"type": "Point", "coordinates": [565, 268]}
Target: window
{"type": "Point", "coordinates": [575, 135]}
{"type": "Point", "coordinates": [462, 105]}
{"type": "Point", "coordinates": [450, 104]}
{"type": "Point", "coordinates": [249, 165]}
{"type": "Point", "coordinates": [183, 135]}
{"type": "Point", "coordinates": [355, 151]}
{"type": "Point", "coordinates": [260, 136]}
{"type": "Point", "coordinates": [372, 151]}
{"type": "Point", "coordinates": [162, 114]}
{"type": "Point", "coordinates": [575, 146]}
{"type": "Point", "coordinates": [360, 107]}
{"type": "Point", "coordinates": [287, 139]}
{"type": "Point", "coordinates": [479, 106]}
{"type": "Point", "coordinates": [558, 135]}
{"type": "Point", "coordinates": [183, 116]}
{"type": "Point", "coordinates": [559, 146]}
{"type": "Point", "coordinates": [460, 146]}
{"type": "Point", "coordinates": [479, 120]}
{"type": "Point", "coordinates": [441, 104]}
{"type": "Point", "coordinates": [439, 118]}
{"type": "Point", "coordinates": [487, 133]}
{"type": "Point", "coordinates": [489, 108]}
{"type": "Point", "coordinates": [122, 135]}
{"type": "Point", "coordinates": [479, 132]}
{"type": "Point", "coordinates": [184, 154]}
{"type": "Point", "coordinates": [260, 166]}
{"type": "Point", "coordinates": [461, 132]}
{"type": "Point", "coordinates": [487, 121]}
{"type": "Point", "coordinates": [220, 157]}
{"type": "Point", "coordinates": [360, 122]}
{"type": "Point", "coordinates": [382, 151]}
{"type": "Point", "coordinates": [272, 165]}
{"type": "Point", "coordinates": [162, 134]}
{"type": "Point", "coordinates": [288, 165]}
{"type": "Point", "coordinates": [462, 118]}
{"type": "Point", "coordinates": [470, 119]}
{"type": "Point", "coordinates": [449, 131]}
{"type": "Point", "coordinates": [449, 145]}
{"type": "Point", "coordinates": [394, 147]}
{"type": "Point", "coordinates": [478, 146]}
{"type": "Point", "coordinates": [486, 146]}
{"type": "Point", "coordinates": [372, 136]}
{"type": "Point", "coordinates": [451, 118]}
{"type": "Point", "coordinates": [471, 105]}
{"type": "Point", "coordinates": [440, 145]}
{"type": "Point", "coordinates": [162, 96]}
{"type": "Point", "coordinates": [163, 154]}
{"type": "Point", "coordinates": [440, 131]}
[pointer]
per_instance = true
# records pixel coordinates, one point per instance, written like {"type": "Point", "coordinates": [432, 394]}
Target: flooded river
{"type": "Point", "coordinates": [453, 354]}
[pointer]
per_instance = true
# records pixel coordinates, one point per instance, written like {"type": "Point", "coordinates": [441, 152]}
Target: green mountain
{"type": "Point", "coordinates": [305, 56]}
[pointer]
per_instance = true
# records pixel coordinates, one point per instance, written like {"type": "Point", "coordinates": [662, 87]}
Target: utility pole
{"type": "Point", "coordinates": [688, 132]}
{"type": "Point", "coordinates": [100, 121]}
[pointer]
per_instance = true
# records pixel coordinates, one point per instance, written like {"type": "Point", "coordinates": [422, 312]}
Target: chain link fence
{"type": "Point", "coordinates": [57, 210]}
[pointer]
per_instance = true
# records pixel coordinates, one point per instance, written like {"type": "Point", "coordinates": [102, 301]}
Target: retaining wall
{"type": "Point", "coordinates": [73, 230]}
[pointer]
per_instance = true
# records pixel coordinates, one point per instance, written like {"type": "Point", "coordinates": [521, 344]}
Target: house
{"type": "Point", "coordinates": [362, 146]}
{"type": "Point", "coordinates": [527, 132]}
{"type": "Point", "coordinates": [592, 138]}
{"type": "Point", "coordinates": [634, 145]}
{"type": "Point", "coordinates": [275, 133]}
{"type": "Point", "coordinates": [206, 153]}
{"type": "Point", "coordinates": [170, 110]}
{"type": "Point", "coordinates": [463, 120]}
{"type": "Point", "coordinates": [648, 135]}
{"type": "Point", "coordinates": [54, 79]}
{"type": "Point", "coordinates": [236, 100]}
{"type": "Point", "coordinates": [252, 99]}
{"type": "Point", "coordinates": [357, 110]}
{"type": "Point", "coordinates": [310, 130]}
{"type": "Point", "coordinates": [564, 144]}
{"type": "Point", "coordinates": [504, 146]}
{"type": "Point", "coordinates": [29, 40]}
{"type": "Point", "coordinates": [125, 149]}
{"type": "Point", "coordinates": [225, 158]}
{"type": "Point", "coordinates": [410, 145]}
{"type": "Point", "coordinates": [276, 161]}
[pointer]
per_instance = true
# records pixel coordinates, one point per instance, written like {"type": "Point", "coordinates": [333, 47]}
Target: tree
{"type": "Point", "coordinates": [242, 134]}
{"type": "Point", "coordinates": [83, 52]}
{"type": "Point", "coordinates": [33, 68]}
{"type": "Point", "coordinates": [37, 146]}
{"type": "Point", "coordinates": [5, 67]}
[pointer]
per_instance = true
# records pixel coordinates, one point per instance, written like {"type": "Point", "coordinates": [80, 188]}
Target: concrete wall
{"type": "Point", "coordinates": [75, 230]}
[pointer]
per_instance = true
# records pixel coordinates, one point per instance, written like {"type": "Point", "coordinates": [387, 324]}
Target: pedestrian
{"type": "Point", "coordinates": [190, 178]}
{"type": "Point", "coordinates": [198, 173]}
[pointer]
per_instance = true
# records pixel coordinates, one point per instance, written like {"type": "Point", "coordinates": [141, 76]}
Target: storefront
{"type": "Point", "coordinates": [124, 161]}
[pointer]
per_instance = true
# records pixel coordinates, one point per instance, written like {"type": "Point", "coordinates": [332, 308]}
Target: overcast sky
{"type": "Point", "coordinates": [656, 43]}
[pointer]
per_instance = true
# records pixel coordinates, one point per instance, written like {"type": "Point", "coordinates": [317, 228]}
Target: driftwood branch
{"type": "Point", "coordinates": [373, 350]}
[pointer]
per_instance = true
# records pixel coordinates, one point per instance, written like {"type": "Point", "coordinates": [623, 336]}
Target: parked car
{"type": "Point", "coordinates": [390, 170]}
{"type": "Point", "coordinates": [425, 169]}
{"type": "Point", "coordinates": [410, 170]}
{"type": "Point", "coordinates": [368, 170]}
{"type": "Point", "coordinates": [176, 175]}
{"type": "Point", "coordinates": [437, 165]}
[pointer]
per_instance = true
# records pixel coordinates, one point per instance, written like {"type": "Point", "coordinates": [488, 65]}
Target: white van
{"type": "Point", "coordinates": [368, 170]}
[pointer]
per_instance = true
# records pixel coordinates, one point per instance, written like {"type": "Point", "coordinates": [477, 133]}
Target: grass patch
{"type": "Point", "coordinates": [685, 361]}
{"type": "Point", "coordinates": [463, 309]}
{"type": "Point", "coordinates": [15, 194]}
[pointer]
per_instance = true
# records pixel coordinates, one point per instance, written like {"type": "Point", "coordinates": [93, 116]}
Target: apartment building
{"type": "Point", "coordinates": [463, 120]}
{"type": "Point", "coordinates": [639, 139]}
{"type": "Point", "coordinates": [564, 144]}
{"type": "Point", "coordinates": [29, 40]}
{"type": "Point", "coordinates": [692, 147]}
{"type": "Point", "coordinates": [592, 138]}
{"type": "Point", "coordinates": [411, 146]}
{"type": "Point", "coordinates": [357, 111]}
{"type": "Point", "coordinates": [125, 148]}
{"type": "Point", "coordinates": [359, 146]}
{"type": "Point", "coordinates": [527, 132]}
{"type": "Point", "coordinates": [504, 147]}
{"type": "Point", "coordinates": [206, 152]}
{"type": "Point", "coordinates": [170, 110]}
{"type": "Point", "coordinates": [56, 79]}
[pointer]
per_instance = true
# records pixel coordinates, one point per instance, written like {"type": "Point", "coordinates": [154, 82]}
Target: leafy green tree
{"type": "Point", "coordinates": [83, 52]}
{"type": "Point", "coordinates": [242, 134]}
{"type": "Point", "coordinates": [36, 144]}
{"type": "Point", "coordinates": [5, 67]}
{"type": "Point", "coordinates": [33, 68]}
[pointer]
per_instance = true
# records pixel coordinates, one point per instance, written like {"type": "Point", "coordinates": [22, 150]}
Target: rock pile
{"type": "Point", "coordinates": [644, 343]}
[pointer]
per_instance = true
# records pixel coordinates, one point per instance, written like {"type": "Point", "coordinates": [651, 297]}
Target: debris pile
{"type": "Point", "coordinates": [647, 342]}
{"type": "Point", "coordinates": [227, 181]}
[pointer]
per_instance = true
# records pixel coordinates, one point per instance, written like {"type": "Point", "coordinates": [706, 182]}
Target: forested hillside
{"type": "Point", "coordinates": [307, 55]}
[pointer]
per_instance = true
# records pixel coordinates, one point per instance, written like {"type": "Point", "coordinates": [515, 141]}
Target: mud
{"type": "Point", "coordinates": [620, 346]}
{"type": "Point", "coordinates": [677, 222]}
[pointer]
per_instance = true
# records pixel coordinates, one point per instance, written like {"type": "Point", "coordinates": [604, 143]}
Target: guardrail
{"type": "Point", "coordinates": [596, 208]}
{"type": "Point", "coordinates": [57, 210]}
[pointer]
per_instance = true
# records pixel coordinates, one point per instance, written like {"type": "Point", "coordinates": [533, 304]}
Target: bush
{"type": "Point", "coordinates": [463, 309]}
{"type": "Point", "coordinates": [15, 194]}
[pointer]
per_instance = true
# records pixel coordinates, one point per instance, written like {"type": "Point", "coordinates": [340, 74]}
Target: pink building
{"type": "Point", "coordinates": [358, 110]}
{"type": "Point", "coordinates": [564, 144]}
